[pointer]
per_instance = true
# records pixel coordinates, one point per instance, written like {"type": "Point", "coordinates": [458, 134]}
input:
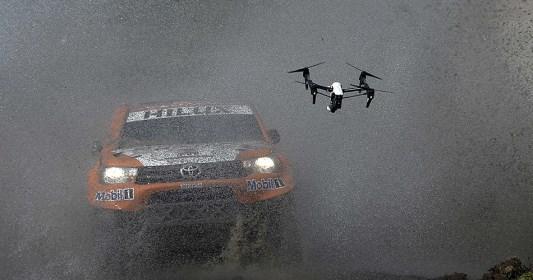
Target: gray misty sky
{"type": "Point", "coordinates": [432, 179]}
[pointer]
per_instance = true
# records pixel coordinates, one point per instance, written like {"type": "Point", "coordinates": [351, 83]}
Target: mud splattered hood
{"type": "Point", "coordinates": [196, 153]}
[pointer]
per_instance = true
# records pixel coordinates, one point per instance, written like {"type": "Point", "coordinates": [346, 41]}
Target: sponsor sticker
{"type": "Point", "coordinates": [115, 195]}
{"type": "Point", "coordinates": [264, 184]}
{"type": "Point", "coordinates": [189, 111]}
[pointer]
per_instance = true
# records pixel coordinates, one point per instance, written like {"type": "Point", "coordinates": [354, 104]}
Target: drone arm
{"type": "Point", "coordinates": [323, 94]}
{"type": "Point", "coordinates": [355, 95]}
{"type": "Point", "coordinates": [351, 89]}
{"type": "Point", "coordinates": [317, 87]}
{"type": "Point", "coordinates": [323, 87]}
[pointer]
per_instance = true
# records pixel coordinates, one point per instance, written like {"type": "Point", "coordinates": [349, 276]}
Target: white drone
{"type": "Point", "coordinates": [336, 92]}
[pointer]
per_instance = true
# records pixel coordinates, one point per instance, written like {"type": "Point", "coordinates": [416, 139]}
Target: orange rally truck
{"type": "Point", "coordinates": [189, 163]}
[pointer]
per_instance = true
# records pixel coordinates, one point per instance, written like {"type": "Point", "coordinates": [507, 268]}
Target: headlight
{"type": "Point", "coordinates": [115, 175]}
{"type": "Point", "coordinates": [262, 165]}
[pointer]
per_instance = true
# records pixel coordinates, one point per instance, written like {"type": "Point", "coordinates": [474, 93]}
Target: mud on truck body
{"type": "Point", "coordinates": [179, 163]}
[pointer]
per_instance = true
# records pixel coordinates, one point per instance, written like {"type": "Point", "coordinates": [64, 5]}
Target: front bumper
{"type": "Point", "coordinates": [134, 197]}
{"type": "Point", "coordinates": [215, 213]}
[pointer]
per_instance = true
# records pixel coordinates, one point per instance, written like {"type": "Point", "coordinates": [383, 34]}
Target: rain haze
{"type": "Point", "coordinates": [432, 179]}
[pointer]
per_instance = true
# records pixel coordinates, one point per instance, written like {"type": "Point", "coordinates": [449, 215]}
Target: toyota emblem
{"type": "Point", "coordinates": [190, 171]}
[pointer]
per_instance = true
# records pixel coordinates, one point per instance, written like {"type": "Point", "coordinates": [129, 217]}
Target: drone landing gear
{"type": "Point", "coordinates": [368, 102]}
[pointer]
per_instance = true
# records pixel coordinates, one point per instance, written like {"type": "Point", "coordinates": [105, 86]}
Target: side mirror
{"type": "Point", "coordinates": [96, 148]}
{"type": "Point", "coordinates": [274, 135]}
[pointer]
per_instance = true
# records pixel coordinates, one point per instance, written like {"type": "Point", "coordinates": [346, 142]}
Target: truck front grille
{"type": "Point", "coordinates": [172, 173]}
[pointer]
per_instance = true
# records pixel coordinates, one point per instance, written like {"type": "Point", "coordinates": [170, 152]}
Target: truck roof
{"type": "Point", "coordinates": [171, 109]}
{"type": "Point", "coordinates": [175, 103]}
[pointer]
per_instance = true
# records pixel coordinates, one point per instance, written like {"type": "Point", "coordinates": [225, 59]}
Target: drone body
{"type": "Point", "coordinates": [336, 92]}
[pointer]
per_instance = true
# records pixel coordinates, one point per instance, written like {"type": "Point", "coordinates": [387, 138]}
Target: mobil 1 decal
{"type": "Point", "coordinates": [264, 184]}
{"type": "Point", "coordinates": [115, 195]}
{"type": "Point", "coordinates": [189, 111]}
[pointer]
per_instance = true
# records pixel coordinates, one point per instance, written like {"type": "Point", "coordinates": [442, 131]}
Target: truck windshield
{"type": "Point", "coordinates": [191, 130]}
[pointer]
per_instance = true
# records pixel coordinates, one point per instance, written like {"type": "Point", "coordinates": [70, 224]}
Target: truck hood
{"type": "Point", "coordinates": [180, 154]}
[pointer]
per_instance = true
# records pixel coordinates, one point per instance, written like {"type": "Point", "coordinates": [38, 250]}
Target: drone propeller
{"type": "Point", "coordinates": [363, 72]}
{"type": "Point", "coordinates": [354, 66]}
{"type": "Point", "coordinates": [304, 69]}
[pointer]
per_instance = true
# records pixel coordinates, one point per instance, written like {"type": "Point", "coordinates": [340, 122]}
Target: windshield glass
{"type": "Point", "coordinates": [191, 130]}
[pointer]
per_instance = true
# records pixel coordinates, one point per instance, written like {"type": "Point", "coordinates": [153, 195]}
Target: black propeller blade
{"type": "Point", "coordinates": [363, 72]}
{"type": "Point", "coordinates": [306, 68]}
{"type": "Point", "coordinates": [354, 66]}
{"type": "Point", "coordinates": [368, 74]}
